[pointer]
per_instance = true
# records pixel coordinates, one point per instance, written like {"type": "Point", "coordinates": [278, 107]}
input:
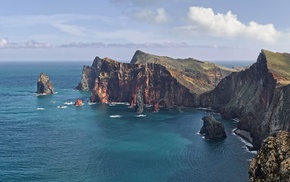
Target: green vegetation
{"type": "Point", "coordinates": [279, 66]}
{"type": "Point", "coordinates": [196, 75]}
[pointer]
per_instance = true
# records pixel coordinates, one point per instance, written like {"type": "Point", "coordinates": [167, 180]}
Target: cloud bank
{"type": "Point", "coordinates": [5, 44]}
{"type": "Point", "coordinates": [205, 21]}
{"type": "Point", "coordinates": [126, 45]}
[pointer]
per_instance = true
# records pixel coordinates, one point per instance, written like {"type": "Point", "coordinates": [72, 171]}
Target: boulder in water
{"type": "Point", "coordinates": [212, 129]}
{"type": "Point", "coordinates": [78, 102]}
{"type": "Point", "coordinates": [44, 85]}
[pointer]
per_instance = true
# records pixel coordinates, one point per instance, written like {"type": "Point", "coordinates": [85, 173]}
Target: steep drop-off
{"type": "Point", "coordinates": [198, 76]}
{"type": "Point", "coordinates": [257, 96]}
{"type": "Point", "coordinates": [164, 81]}
{"type": "Point", "coordinates": [120, 82]}
{"type": "Point", "coordinates": [272, 162]}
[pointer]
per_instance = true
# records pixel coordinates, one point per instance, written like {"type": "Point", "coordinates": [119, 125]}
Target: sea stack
{"type": "Point", "coordinates": [212, 129]}
{"type": "Point", "coordinates": [139, 101]}
{"type": "Point", "coordinates": [272, 162]}
{"type": "Point", "coordinates": [44, 85]}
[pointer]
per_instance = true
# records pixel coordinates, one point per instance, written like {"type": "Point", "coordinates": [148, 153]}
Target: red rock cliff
{"type": "Point", "coordinates": [119, 82]}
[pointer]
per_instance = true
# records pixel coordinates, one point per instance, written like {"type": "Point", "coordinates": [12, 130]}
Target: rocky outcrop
{"type": "Point", "coordinates": [257, 96]}
{"type": "Point", "coordinates": [44, 85]}
{"type": "Point", "coordinates": [212, 129]}
{"type": "Point", "coordinates": [78, 102]}
{"type": "Point", "coordinates": [120, 82]}
{"type": "Point", "coordinates": [164, 81]}
{"type": "Point", "coordinates": [272, 162]}
{"type": "Point", "coordinates": [139, 101]}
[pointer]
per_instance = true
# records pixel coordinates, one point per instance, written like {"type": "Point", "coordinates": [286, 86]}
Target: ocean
{"type": "Point", "coordinates": [101, 142]}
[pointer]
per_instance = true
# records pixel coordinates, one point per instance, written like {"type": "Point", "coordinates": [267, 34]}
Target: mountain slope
{"type": "Point", "coordinates": [256, 96]}
{"type": "Point", "coordinates": [196, 75]}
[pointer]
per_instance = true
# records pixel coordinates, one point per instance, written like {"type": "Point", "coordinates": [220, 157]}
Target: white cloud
{"type": "Point", "coordinates": [124, 45]}
{"type": "Point", "coordinates": [5, 44]}
{"type": "Point", "coordinates": [205, 21]}
{"type": "Point", "coordinates": [160, 16]}
{"type": "Point", "coordinates": [70, 29]}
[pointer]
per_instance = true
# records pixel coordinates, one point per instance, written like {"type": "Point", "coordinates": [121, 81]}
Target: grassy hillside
{"type": "Point", "coordinates": [279, 66]}
{"type": "Point", "coordinates": [196, 75]}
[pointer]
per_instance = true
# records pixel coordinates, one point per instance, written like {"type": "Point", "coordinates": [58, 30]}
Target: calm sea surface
{"type": "Point", "coordinates": [40, 142]}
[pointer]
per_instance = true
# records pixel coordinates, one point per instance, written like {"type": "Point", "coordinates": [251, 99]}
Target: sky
{"type": "Point", "coordinates": [74, 30]}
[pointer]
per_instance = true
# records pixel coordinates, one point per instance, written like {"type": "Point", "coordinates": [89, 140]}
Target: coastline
{"type": "Point", "coordinates": [246, 136]}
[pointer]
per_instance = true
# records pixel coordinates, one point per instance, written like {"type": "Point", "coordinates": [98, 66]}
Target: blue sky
{"type": "Point", "coordinates": [203, 29]}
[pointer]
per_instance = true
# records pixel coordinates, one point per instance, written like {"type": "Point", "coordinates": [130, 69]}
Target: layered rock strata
{"type": "Point", "coordinates": [44, 85]}
{"type": "Point", "coordinates": [257, 95]}
{"type": "Point", "coordinates": [272, 162]}
{"type": "Point", "coordinates": [164, 81]}
{"type": "Point", "coordinates": [212, 129]}
{"type": "Point", "coordinates": [120, 82]}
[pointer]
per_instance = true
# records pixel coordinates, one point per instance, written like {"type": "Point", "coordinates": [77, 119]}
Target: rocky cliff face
{"type": "Point", "coordinates": [164, 81]}
{"type": "Point", "coordinates": [272, 162]}
{"type": "Point", "coordinates": [120, 82]}
{"type": "Point", "coordinates": [256, 96]}
{"type": "Point", "coordinates": [195, 75]}
{"type": "Point", "coordinates": [44, 85]}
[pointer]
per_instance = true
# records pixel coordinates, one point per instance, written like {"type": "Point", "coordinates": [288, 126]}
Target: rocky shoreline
{"type": "Point", "coordinates": [245, 135]}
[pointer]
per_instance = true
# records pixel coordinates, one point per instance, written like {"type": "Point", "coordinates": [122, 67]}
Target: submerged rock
{"type": "Point", "coordinates": [272, 162]}
{"type": "Point", "coordinates": [212, 129]}
{"type": "Point", "coordinates": [44, 85]}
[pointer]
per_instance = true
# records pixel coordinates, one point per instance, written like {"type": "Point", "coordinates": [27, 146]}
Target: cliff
{"type": "Point", "coordinates": [120, 82]}
{"type": "Point", "coordinates": [164, 81]}
{"type": "Point", "coordinates": [196, 75]}
{"type": "Point", "coordinates": [256, 95]}
{"type": "Point", "coordinates": [272, 163]}
{"type": "Point", "coordinates": [44, 85]}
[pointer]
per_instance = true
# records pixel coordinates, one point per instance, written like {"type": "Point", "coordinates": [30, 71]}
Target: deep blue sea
{"type": "Point", "coordinates": [40, 142]}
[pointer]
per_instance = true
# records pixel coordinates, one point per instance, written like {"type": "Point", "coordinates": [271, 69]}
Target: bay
{"type": "Point", "coordinates": [40, 142]}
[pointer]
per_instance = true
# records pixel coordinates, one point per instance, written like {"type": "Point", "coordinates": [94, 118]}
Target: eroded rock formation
{"type": "Point", "coordinates": [259, 96]}
{"type": "Point", "coordinates": [44, 85]}
{"type": "Point", "coordinates": [139, 101]}
{"type": "Point", "coordinates": [272, 162]}
{"type": "Point", "coordinates": [212, 129]}
{"type": "Point", "coordinates": [164, 81]}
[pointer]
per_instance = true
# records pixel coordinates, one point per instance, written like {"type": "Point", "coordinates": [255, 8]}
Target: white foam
{"type": "Point", "coordinates": [40, 108]}
{"type": "Point", "coordinates": [115, 116]}
{"type": "Point", "coordinates": [40, 94]}
{"type": "Point", "coordinates": [61, 107]}
{"type": "Point", "coordinates": [91, 103]}
{"type": "Point", "coordinates": [236, 120]}
{"type": "Point", "coordinates": [68, 103]}
{"type": "Point", "coordinates": [140, 115]}
{"type": "Point", "coordinates": [81, 105]}
{"type": "Point", "coordinates": [245, 142]}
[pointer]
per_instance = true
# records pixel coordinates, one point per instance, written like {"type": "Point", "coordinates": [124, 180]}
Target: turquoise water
{"type": "Point", "coordinates": [86, 144]}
